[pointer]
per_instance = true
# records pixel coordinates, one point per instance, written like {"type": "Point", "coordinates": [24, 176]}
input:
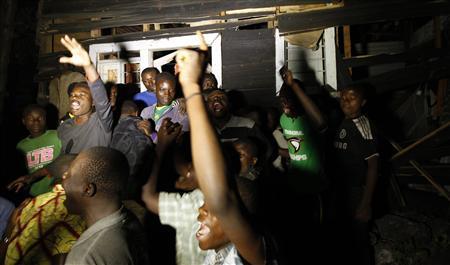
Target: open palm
{"type": "Point", "coordinates": [80, 57]}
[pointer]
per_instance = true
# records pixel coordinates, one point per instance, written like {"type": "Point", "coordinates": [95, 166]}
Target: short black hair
{"type": "Point", "coordinates": [360, 89]}
{"type": "Point", "coordinates": [150, 70]}
{"type": "Point", "coordinates": [107, 168]}
{"type": "Point", "coordinates": [128, 107]}
{"type": "Point", "coordinates": [83, 84]}
{"type": "Point", "coordinates": [165, 76]}
{"type": "Point", "coordinates": [211, 77]}
{"type": "Point", "coordinates": [32, 107]}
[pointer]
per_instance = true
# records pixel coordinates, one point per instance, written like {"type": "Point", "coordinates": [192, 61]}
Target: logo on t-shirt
{"type": "Point", "coordinates": [296, 143]}
{"type": "Point", "coordinates": [38, 156]}
{"type": "Point", "coordinates": [342, 134]}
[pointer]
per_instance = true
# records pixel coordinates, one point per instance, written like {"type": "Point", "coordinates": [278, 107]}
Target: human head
{"type": "Point", "coordinates": [34, 119]}
{"type": "Point", "coordinates": [148, 77]}
{"type": "Point", "coordinates": [289, 102]}
{"type": "Point", "coordinates": [81, 102]}
{"type": "Point", "coordinates": [187, 179]}
{"type": "Point", "coordinates": [217, 103]}
{"type": "Point", "coordinates": [210, 235]}
{"type": "Point", "coordinates": [60, 165]}
{"type": "Point", "coordinates": [248, 154]}
{"type": "Point", "coordinates": [209, 81]}
{"type": "Point", "coordinates": [96, 176]}
{"type": "Point", "coordinates": [165, 88]}
{"type": "Point", "coordinates": [129, 108]}
{"type": "Point", "coordinates": [352, 99]}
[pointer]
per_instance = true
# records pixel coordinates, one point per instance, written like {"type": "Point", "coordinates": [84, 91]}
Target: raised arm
{"type": "Point", "coordinates": [167, 134]}
{"type": "Point", "coordinates": [210, 165]}
{"type": "Point", "coordinates": [311, 109]}
{"type": "Point", "coordinates": [81, 58]}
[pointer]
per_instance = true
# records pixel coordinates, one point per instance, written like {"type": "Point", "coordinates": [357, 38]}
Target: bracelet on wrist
{"type": "Point", "coordinates": [193, 95]}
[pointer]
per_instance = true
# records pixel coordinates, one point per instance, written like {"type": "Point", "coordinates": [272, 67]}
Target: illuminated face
{"type": "Point", "coordinates": [351, 103]}
{"type": "Point", "coordinates": [81, 102]}
{"type": "Point", "coordinates": [149, 80]}
{"type": "Point", "coordinates": [35, 122]}
{"type": "Point", "coordinates": [210, 235]}
{"type": "Point", "coordinates": [187, 179]}
{"type": "Point", "coordinates": [217, 102]}
{"type": "Point", "coordinates": [165, 92]}
{"type": "Point", "coordinates": [113, 95]}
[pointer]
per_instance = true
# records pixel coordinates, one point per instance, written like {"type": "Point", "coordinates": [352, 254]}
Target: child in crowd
{"type": "Point", "coordinates": [39, 149]}
{"type": "Point", "coordinates": [147, 98]}
{"type": "Point", "coordinates": [174, 209]}
{"type": "Point", "coordinates": [225, 227]}
{"type": "Point", "coordinates": [166, 105]}
{"type": "Point", "coordinates": [357, 169]}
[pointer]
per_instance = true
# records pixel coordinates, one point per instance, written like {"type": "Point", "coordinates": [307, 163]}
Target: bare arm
{"type": "Point", "coordinates": [166, 135]}
{"type": "Point", "coordinates": [311, 109]}
{"type": "Point", "coordinates": [22, 181]}
{"type": "Point", "coordinates": [364, 211]}
{"type": "Point", "coordinates": [210, 165]}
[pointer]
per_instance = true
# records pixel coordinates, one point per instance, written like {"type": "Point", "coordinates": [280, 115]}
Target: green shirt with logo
{"type": "Point", "coordinates": [305, 166]}
{"type": "Point", "coordinates": [39, 152]}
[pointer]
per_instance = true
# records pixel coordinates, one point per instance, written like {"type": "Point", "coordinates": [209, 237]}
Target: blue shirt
{"type": "Point", "coordinates": [148, 98]}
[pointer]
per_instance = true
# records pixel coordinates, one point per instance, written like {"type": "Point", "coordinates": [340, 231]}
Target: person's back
{"type": "Point", "coordinates": [137, 147]}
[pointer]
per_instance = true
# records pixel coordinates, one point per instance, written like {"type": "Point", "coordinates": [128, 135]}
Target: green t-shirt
{"type": "Point", "coordinates": [305, 167]}
{"type": "Point", "coordinates": [159, 111]}
{"type": "Point", "coordinates": [39, 152]}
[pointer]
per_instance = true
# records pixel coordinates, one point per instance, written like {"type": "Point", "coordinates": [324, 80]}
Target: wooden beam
{"type": "Point", "coordinates": [409, 57]}
{"type": "Point", "coordinates": [410, 75]}
{"type": "Point", "coordinates": [163, 33]}
{"type": "Point", "coordinates": [443, 83]}
{"type": "Point", "coordinates": [424, 173]}
{"type": "Point", "coordinates": [347, 44]}
{"type": "Point", "coordinates": [361, 13]}
{"type": "Point", "coordinates": [436, 137]}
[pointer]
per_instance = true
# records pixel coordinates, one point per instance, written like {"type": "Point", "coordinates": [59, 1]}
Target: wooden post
{"type": "Point", "coordinates": [443, 83]}
{"type": "Point", "coordinates": [424, 173]}
{"type": "Point", "coordinates": [8, 13]}
{"type": "Point", "coordinates": [96, 32]}
{"type": "Point", "coordinates": [145, 27]}
{"type": "Point", "coordinates": [347, 44]}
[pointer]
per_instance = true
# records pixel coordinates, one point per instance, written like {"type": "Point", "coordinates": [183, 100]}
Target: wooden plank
{"type": "Point", "coordinates": [361, 13]}
{"type": "Point", "coordinates": [434, 138]}
{"type": "Point", "coordinates": [173, 32]}
{"type": "Point", "coordinates": [424, 173]}
{"type": "Point", "coordinates": [136, 19]}
{"type": "Point", "coordinates": [169, 7]}
{"type": "Point", "coordinates": [410, 75]}
{"type": "Point", "coordinates": [441, 171]}
{"type": "Point", "coordinates": [411, 56]}
{"type": "Point", "coordinates": [248, 64]}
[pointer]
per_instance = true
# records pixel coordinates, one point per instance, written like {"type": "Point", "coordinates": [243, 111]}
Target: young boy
{"type": "Point", "coordinates": [166, 106]}
{"type": "Point", "coordinates": [357, 169]}
{"type": "Point", "coordinates": [90, 126]}
{"type": "Point", "coordinates": [40, 148]}
{"type": "Point", "coordinates": [178, 211]}
{"type": "Point", "coordinates": [147, 98]}
{"type": "Point", "coordinates": [223, 219]}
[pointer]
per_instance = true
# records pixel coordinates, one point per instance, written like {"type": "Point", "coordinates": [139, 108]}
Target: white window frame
{"type": "Point", "coordinates": [147, 47]}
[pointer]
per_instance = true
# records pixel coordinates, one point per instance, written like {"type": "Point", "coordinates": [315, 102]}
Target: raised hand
{"type": "Point", "coordinates": [167, 133]}
{"type": "Point", "coordinates": [190, 65]}
{"type": "Point", "coordinates": [19, 183]}
{"type": "Point", "coordinates": [80, 57]}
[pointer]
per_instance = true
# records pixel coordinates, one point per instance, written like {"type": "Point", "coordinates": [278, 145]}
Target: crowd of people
{"type": "Point", "coordinates": [253, 186]}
